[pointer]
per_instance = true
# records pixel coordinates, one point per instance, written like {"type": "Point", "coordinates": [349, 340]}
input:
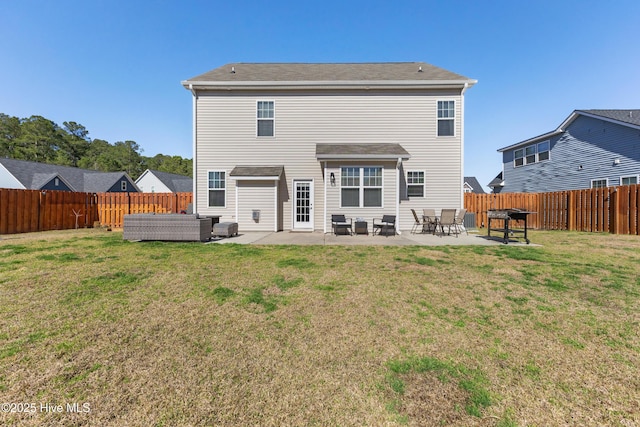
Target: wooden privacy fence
{"type": "Point", "coordinates": [23, 211]}
{"type": "Point", "coordinates": [612, 209]}
{"type": "Point", "coordinates": [113, 206]}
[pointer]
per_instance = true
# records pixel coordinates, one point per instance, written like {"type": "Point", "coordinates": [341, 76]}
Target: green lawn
{"type": "Point", "coordinates": [170, 334]}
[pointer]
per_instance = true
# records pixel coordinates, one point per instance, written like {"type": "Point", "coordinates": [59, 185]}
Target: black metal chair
{"type": "Point", "coordinates": [339, 222]}
{"type": "Point", "coordinates": [384, 225]}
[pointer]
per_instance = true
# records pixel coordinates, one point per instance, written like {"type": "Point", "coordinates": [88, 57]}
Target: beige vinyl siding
{"type": "Point", "coordinates": [256, 195]}
{"type": "Point", "coordinates": [226, 137]}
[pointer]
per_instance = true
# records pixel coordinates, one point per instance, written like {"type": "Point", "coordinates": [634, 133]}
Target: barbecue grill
{"type": "Point", "coordinates": [509, 217]}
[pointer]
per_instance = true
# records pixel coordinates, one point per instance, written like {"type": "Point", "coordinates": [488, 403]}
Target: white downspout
{"type": "Point", "coordinates": [464, 89]}
{"type": "Point", "coordinates": [194, 190]}
{"type": "Point", "coordinates": [324, 203]}
{"type": "Point", "coordinates": [398, 164]}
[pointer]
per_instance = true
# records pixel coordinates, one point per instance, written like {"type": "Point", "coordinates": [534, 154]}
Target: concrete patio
{"type": "Point", "coordinates": [405, 239]}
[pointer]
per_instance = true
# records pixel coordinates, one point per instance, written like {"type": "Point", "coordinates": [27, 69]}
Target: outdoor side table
{"type": "Point", "coordinates": [361, 227]}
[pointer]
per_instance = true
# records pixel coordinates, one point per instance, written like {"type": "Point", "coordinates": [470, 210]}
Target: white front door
{"type": "Point", "coordinates": [303, 204]}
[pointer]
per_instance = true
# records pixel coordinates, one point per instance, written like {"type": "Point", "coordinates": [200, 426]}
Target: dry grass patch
{"type": "Point", "coordinates": [192, 334]}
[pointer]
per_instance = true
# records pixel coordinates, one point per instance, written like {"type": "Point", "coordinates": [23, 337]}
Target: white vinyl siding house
{"type": "Point", "coordinates": [309, 114]}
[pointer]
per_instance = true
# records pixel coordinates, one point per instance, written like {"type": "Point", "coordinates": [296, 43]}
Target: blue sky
{"type": "Point", "coordinates": [115, 66]}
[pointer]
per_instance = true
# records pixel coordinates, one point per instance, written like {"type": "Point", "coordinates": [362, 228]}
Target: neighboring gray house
{"type": "Point", "coordinates": [152, 181]}
{"type": "Point", "coordinates": [284, 146]}
{"type": "Point", "coordinates": [28, 175]}
{"type": "Point", "coordinates": [471, 185]}
{"type": "Point", "coordinates": [496, 183]}
{"type": "Point", "coordinates": [591, 148]}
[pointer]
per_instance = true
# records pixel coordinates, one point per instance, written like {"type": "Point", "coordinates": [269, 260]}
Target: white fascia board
{"type": "Point", "coordinates": [142, 176]}
{"type": "Point", "coordinates": [361, 157]}
{"type": "Point", "coordinates": [255, 178]}
{"type": "Point", "coordinates": [332, 84]}
{"type": "Point", "coordinates": [531, 140]}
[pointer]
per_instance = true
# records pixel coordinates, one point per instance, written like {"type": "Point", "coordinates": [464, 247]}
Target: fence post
{"type": "Point", "coordinates": [613, 211]}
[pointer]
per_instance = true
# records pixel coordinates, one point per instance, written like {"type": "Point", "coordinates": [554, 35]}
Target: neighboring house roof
{"type": "Point", "coordinates": [34, 175]}
{"type": "Point", "coordinates": [251, 75]}
{"type": "Point", "coordinates": [474, 184]}
{"type": "Point", "coordinates": [360, 151]}
{"type": "Point", "coordinates": [630, 118]}
{"type": "Point", "coordinates": [174, 182]}
{"type": "Point", "coordinates": [498, 181]}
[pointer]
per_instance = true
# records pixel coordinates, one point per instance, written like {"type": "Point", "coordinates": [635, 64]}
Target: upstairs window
{"type": "Point", "coordinates": [531, 154]}
{"type": "Point", "coordinates": [518, 157]}
{"type": "Point", "coordinates": [265, 117]}
{"type": "Point", "coordinates": [217, 189]}
{"type": "Point", "coordinates": [446, 117]}
{"type": "Point", "coordinates": [543, 151]}
{"type": "Point", "coordinates": [415, 183]}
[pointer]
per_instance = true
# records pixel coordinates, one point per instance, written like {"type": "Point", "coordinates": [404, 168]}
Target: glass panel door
{"type": "Point", "coordinates": [303, 205]}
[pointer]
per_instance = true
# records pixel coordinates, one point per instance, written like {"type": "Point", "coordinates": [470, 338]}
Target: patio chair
{"type": "Point", "coordinates": [384, 225]}
{"type": "Point", "coordinates": [430, 219]}
{"type": "Point", "coordinates": [459, 223]}
{"type": "Point", "coordinates": [339, 222]}
{"type": "Point", "coordinates": [417, 222]}
{"type": "Point", "coordinates": [447, 219]}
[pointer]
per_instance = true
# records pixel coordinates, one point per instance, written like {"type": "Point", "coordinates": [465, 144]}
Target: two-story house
{"type": "Point", "coordinates": [590, 149]}
{"type": "Point", "coordinates": [283, 146]}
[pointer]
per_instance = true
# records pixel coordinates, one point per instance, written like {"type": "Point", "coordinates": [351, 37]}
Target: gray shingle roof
{"type": "Point", "coordinates": [625, 116]}
{"type": "Point", "coordinates": [328, 72]}
{"type": "Point", "coordinates": [34, 175]}
{"type": "Point", "coordinates": [475, 185]}
{"type": "Point", "coordinates": [257, 171]}
{"type": "Point", "coordinates": [360, 151]}
{"type": "Point", "coordinates": [176, 183]}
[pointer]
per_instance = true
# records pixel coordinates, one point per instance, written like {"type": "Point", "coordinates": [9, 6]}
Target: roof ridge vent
{"type": "Point", "coordinates": [233, 70]}
{"type": "Point", "coordinates": [420, 69]}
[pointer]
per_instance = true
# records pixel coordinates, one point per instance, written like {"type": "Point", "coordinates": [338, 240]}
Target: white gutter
{"type": "Point", "coordinates": [360, 157]}
{"type": "Point", "coordinates": [332, 84]}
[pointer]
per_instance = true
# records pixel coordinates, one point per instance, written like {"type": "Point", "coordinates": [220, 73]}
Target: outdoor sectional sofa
{"type": "Point", "coordinates": [169, 227]}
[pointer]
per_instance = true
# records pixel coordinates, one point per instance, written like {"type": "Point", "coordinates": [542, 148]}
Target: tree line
{"type": "Point", "coordinates": [41, 140]}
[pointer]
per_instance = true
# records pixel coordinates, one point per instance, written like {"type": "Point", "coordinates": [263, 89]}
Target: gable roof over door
{"type": "Point", "coordinates": [327, 75]}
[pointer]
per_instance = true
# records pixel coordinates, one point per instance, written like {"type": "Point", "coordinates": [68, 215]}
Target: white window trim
{"type": "Point", "coordinates": [637, 177]}
{"type": "Point", "coordinates": [536, 154]}
{"type": "Point", "coordinates": [606, 180]}
{"type": "Point", "coordinates": [226, 187]}
{"type": "Point", "coordinates": [455, 113]}
{"type": "Point", "coordinates": [424, 183]}
{"type": "Point", "coordinates": [361, 187]}
{"type": "Point", "coordinates": [272, 119]}
{"type": "Point", "coordinates": [548, 141]}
